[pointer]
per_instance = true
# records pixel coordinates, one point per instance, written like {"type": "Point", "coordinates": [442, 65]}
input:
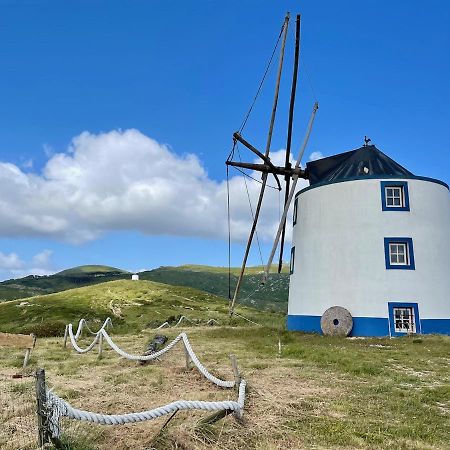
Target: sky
{"type": "Point", "coordinates": [116, 118]}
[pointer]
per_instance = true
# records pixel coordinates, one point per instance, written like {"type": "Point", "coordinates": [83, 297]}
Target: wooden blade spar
{"type": "Point", "coordinates": [291, 192]}
{"type": "Point", "coordinates": [289, 133]}
{"type": "Point", "coordinates": [265, 175]}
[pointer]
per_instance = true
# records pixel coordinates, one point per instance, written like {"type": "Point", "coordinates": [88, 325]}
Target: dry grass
{"type": "Point", "coordinates": [319, 393]}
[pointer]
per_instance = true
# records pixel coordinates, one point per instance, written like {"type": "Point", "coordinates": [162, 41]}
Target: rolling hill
{"type": "Point", "coordinates": [273, 296]}
{"type": "Point", "coordinates": [61, 281]}
{"type": "Point", "coordinates": [133, 306]}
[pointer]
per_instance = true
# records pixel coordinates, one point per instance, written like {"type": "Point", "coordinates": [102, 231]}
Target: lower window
{"type": "Point", "coordinates": [404, 321]}
{"type": "Point", "coordinates": [403, 318]}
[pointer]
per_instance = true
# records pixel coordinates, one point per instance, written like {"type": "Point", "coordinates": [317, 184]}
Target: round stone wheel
{"type": "Point", "coordinates": [336, 321]}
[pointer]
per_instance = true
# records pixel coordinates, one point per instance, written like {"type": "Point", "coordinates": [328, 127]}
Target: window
{"type": "Point", "coordinates": [295, 211]}
{"type": "Point", "coordinates": [403, 318]}
{"type": "Point", "coordinates": [399, 253]}
{"type": "Point", "coordinates": [394, 196]}
{"type": "Point", "coordinates": [291, 264]}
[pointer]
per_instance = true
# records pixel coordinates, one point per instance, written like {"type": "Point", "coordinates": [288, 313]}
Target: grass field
{"type": "Point", "coordinates": [316, 393]}
{"type": "Point", "coordinates": [272, 296]}
{"type": "Point", "coordinates": [133, 306]}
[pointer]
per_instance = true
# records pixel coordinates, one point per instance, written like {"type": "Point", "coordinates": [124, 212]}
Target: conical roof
{"type": "Point", "coordinates": [363, 162]}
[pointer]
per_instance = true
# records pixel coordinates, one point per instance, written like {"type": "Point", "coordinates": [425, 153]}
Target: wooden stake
{"type": "Point", "coordinates": [237, 375]}
{"type": "Point", "coordinates": [42, 412]}
{"type": "Point", "coordinates": [66, 335]}
{"type": "Point", "coordinates": [213, 418]}
{"type": "Point", "coordinates": [188, 359]}
{"type": "Point", "coordinates": [27, 357]}
{"type": "Point", "coordinates": [100, 346]}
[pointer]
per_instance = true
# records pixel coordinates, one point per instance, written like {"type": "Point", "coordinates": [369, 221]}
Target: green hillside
{"type": "Point", "coordinates": [67, 279]}
{"type": "Point", "coordinates": [133, 306]}
{"type": "Point", "coordinates": [272, 296]}
{"type": "Point", "coordinates": [90, 270]}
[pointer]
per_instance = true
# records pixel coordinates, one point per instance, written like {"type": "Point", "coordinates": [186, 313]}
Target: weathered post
{"type": "Point", "coordinates": [41, 409]}
{"type": "Point", "coordinates": [100, 346]}
{"type": "Point", "coordinates": [66, 335]}
{"type": "Point", "coordinates": [188, 358]}
{"type": "Point", "coordinates": [237, 375]}
{"type": "Point", "coordinates": [27, 357]}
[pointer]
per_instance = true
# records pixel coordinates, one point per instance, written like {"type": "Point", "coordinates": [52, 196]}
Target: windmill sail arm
{"type": "Point", "coordinates": [265, 168]}
{"type": "Point", "coordinates": [291, 192]}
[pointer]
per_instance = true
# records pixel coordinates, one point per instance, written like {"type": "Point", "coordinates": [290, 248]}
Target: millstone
{"type": "Point", "coordinates": [336, 321]}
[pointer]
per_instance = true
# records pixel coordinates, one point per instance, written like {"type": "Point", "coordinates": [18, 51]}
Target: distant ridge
{"type": "Point", "coordinates": [89, 269]}
{"type": "Point", "coordinates": [214, 280]}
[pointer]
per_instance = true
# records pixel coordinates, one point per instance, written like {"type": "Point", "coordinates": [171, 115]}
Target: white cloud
{"type": "Point", "coordinates": [42, 259]}
{"type": "Point", "coordinates": [315, 155]}
{"type": "Point", "coordinates": [10, 261]}
{"type": "Point", "coordinates": [124, 180]}
{"type": "Point", "coordinates": [12, 266]}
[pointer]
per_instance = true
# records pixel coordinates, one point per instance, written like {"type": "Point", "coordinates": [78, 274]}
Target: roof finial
{"type": "Point", "coordinates": [366, 141]}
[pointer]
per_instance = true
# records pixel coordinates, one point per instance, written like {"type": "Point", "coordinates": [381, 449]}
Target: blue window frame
{"type": "Point", "coordinates": [292, 261]}
{"type": "Point", "coordinates": [399, 253]}
{"type": "Point", "coordinates": [403, 318]}
{"type": "Point", "coordinates": [295, 211]}
{"type": "Point", "coordinates": [394, 196]}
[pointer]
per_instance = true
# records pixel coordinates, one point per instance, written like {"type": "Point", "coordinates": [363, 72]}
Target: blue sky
{"type": "Point", "coordinates": [182, 75]}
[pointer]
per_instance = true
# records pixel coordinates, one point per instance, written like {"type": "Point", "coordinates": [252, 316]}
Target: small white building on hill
{"type": "Point", "coordinates": [135, 277]}
{"type": "Point", "coordinates": [373, 240]}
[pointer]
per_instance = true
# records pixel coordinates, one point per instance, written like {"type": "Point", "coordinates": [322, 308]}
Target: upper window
{"type": "Point", "coordinates": [394, 196]}
{"type": "Point", "coordinates": [295, 211]}
{"type": "Point", "coordinates": [399, 253]}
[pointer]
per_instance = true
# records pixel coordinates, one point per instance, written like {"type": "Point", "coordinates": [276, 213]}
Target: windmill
{"type": "Point", "coordinates": [267, 167]}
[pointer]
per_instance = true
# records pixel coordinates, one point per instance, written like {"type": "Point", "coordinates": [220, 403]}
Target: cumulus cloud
{"type": "Point", "coordinates": [124, 180]}
{"type": "Point", "coordinates": [315, 155]}
{"type": "Point", "coordinates": [42, 259]}
{"type": "Point", "coordinates": [13, 266]}
{"type": "Point", "coordinates": [10, 261]}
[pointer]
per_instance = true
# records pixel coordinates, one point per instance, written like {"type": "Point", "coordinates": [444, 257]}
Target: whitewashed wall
{"type": "Point", "coordinates": [339, 250]}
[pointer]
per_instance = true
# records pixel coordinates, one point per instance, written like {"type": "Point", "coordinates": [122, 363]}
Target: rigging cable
{"type": "Point", "coordinates": [262, 81]}
{"type": "Point", "coordinates": [229, 234]}
{"type": "Point", "coordinates": [253, 214]}
{"type": "Point", "coordinates": [254, 179]}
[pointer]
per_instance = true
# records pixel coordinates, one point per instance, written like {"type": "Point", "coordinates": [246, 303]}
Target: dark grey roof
{"type": "Point", "coordinates": [363, 162]}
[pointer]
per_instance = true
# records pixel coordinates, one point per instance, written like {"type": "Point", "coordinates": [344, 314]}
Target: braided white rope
{"type": "Point", "coordinates": [73, 340]}
{"type": "Point", "coordinates": [167, 324]}
{"type": "Point", "coordinates": [84, 324]}
{"type": "Point", "coordinates": [182, 336]}
{"type": "Point", "coordinates": [60, 408]}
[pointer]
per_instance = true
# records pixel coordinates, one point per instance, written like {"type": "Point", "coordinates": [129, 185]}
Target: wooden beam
{"type": "Point", "coordinates": [269, 169]}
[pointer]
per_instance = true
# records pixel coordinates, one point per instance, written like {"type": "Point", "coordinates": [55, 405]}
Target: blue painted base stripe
{"type": "Point", "coordinates": [435, 326]}
{"type": "Point", "coordinates": [310, 324]}
{"type": "Point", "coordinates": [365, 326]}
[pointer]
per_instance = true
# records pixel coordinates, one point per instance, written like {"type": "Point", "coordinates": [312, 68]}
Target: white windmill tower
{"type": "Point", "coordinates": [371, 249]}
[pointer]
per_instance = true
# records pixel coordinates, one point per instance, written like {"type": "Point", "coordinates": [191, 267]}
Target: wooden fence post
{"type": "Point", "coordinates": [27, 357]}
{"type": "Point", "coordinates": [188, 358]}
{"type": "Point", "coordinates": [66, 334]}
{"type": "Point", "coordinates": [42, 411]}
{"type": "Point", "coordinates": [100, 346]}
{"type": "Point", "coordinates": [237, 375]}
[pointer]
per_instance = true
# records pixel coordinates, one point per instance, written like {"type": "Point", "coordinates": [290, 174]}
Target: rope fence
{"type": "Point", "coordinates": [57, 408]}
